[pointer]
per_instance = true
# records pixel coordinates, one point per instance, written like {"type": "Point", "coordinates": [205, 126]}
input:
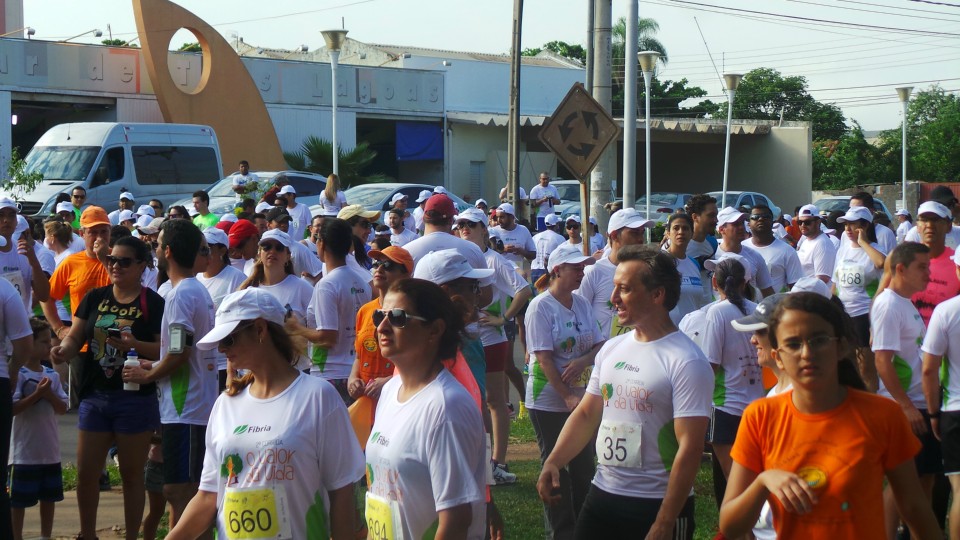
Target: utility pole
{"type": "Point", "coordinates": [601, 192]}
{"type": "Point", "coordinates": [630, 109]}
{"type": "Point", "coordinates": [591, 13]}
{"type": "Point", "coordinates": [513, 122]}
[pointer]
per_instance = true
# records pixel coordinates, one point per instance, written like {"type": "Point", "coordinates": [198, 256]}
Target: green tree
{"type": "Point", "coordinates": [18, 181]}
{"type": "Point", "coordinates": [191, 47]}
{"type": "Point", "coordinates": [316, 155]}
{"type": "Point", "coordinates": [765, 94]}
{"type": "Point", "coordinates": [665, 99]}
{"type": "Point", "coordinates": [847, 162]}
{"type": "Point", "coordinates": [562, 48]}
{"type": "Point", "coordinates": [119, 43]}
{"type": "Point", "coordinates": [933, 139]}
{"type": "Point", "coordinates": [646, 41]}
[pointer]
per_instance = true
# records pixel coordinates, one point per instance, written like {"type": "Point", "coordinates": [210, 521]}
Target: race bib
{"type": "Point", "coordinates": [383, 518]}
{"type": "Point", "coordinates": [850, 275]}
{"type": "Point", "coordinates": [583, 379]}
{"type": "Point", "coordinates": [617, 330]}
{"type": "Point", "coordinates": [618, 444]}
{"type": "Point", "coordinates": [256, 513]}
{"type": "Point", "coordinates": [16, 279]}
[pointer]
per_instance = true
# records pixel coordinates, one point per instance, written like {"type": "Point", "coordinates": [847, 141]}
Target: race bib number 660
{"type": "Point", "coordinates": [253, 514]}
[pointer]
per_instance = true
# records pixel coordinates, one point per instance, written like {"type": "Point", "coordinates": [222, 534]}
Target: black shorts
{"type": "Point", "coordinates": [930, 459]}
{"type": "Point", "coordinates": [30, 484]}
{"type": "Point", "coordinates": [723, 427]}
{"type": "Point", "coordinates": [861, 329]}
{"type": "Point", "coordinates": [183, 449]}
{"type": "Point", "coordinates": [950, 441]}
{"type": "Point", "coordinates": [607, 515]}
{"type": "Point", "coordinates": [153, 476]}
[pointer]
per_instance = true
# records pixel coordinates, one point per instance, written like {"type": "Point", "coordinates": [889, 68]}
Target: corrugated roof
{"type": "Point", "coordinates": [546, 60]}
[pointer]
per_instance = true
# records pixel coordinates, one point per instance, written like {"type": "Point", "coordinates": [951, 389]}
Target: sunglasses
{"type": "Point", "coordinates": [271, 246]}
{"type": "Point", "coordinates": [122, 262]}
{"type": "Point", "coordinates": [467, 224]}
{"type": "Point", "coordinates": [365, 224]}
{"type": "Point", "coordinates": [758, 217]}
{"type": "Point", "coordinates": [232, 337]}
{"type": "Point", "coordinates": [573, 225]}
{"type": "Point", "coordinates": [387, 265]}
{"type": "Point", "coordinates": [204, 252]}
{"type": "Point", "coordinates": [398, 318]}
{"type": "Point", "coordinates": [807, 222]}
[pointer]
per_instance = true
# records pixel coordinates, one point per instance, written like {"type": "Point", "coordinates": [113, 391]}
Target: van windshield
{"type": "Point", "coordinates": [62, 162]}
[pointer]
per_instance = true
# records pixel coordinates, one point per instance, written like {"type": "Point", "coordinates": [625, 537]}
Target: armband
{"type": "Point", "coordinates": [180, 338]}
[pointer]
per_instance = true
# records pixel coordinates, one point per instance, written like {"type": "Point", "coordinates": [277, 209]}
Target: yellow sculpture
{"type": "Point", "coordinates": [226, 97]}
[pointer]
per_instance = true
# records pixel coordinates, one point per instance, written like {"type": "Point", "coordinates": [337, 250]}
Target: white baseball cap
{"type": "Point", "coordinates": [933, 207]}
{"type": "Point", "coordinates": [566, 253]}
{"type": "Point", "coordinates": [440, 189]}
{"type": "Point", "coordinates": [246, 305]}
{"type": "Point", "coordinates": [551, 219]}
{"type": "Point", "coordinates": [263, 207]}
{"type": "Point", "coordinates": [229, 216]}
{"type": "Point", "coordinates": [144, 221]}
{"type": "Point", "coordinates": [574, 218]}
{"type": "Point", "coordinates": [626, 217]}
{"type": "Point", "coordinates": [287, 189]}
{"type": "Point", "coordinates": [711, 264]}
{"type": "Point", "coordinates": [6, 202]}
{"type": "Point", "coordinates": [152, 228]}
{"type": "Point", "coordinates": [126, 215]}
{"type": "Point", "coordinates": [22, 225]}
{"type": "Point", "coordinates": [397, 197]}
{"type": "Point", "coordinates": [808, 211]}
{"type": "Point", "coordinates": [812, 284]}
{"type": "Point", "coordinates": [424, 195]}
{"type": "Point", "coordinates": [480, 201]}
{"type": "Point", "coordinates": [216, 236]}
{"type": "Point", "coordinates": [146, 210]}
{"type": "Point", "coordinates": [729, 215]}
{"type": "Point", "coordinates": [856, 213]}
{"type": "Point", "coordinates": [447, 265]}
{"type": "Point", "coordinates": [64, 206]}
{"type": "Point", "coordinates": [506, 208]}
{"type": "Point", "coordinates": [128, 196]}
{"type": "Point", "coordinates": [278, 235]}
{"type": "Point", "coordinates": [902, 212]}
{"type": "Point", "coordinates": [474, 214]}
{"type": "Point", "coordinates": [592, 220]}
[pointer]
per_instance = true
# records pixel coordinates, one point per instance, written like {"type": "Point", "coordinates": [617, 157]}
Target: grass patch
{"type": "Point", "coordinates": [521, 431]}
{"type": "Point", "coordinates": [69, 471]}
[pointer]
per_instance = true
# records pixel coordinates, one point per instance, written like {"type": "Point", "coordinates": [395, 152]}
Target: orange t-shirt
{"type": "Point", "coordinates": [372, 364]}
{"type": "Point", "coordinates": [76, 276]}
{"type": "Point", "coordinates": [843, 454]}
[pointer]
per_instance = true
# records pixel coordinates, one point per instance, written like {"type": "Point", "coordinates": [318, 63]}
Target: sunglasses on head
{"type": "Point", "coordinates": [231, 338]}
{"type": "Point", "coordinates": [271, 246]}
{"type": "Point", "coordinates": [397, 317]}
{"type": "Point", "coordinates": [122, 262]}
{"type": "Point", "coordinates": [387, 265]}
{"type": "Point", "coordinates": [467, 224]}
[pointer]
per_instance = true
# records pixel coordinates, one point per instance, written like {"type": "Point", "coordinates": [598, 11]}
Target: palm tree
{"type": "Point", "coordinates": [316, 155]}
{"type": "Point", "coordinates": [646, 41]}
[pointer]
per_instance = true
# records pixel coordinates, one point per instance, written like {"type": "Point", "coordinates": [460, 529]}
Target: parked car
{"type": "Point", "coordinates": [377, 196]}
{"type": "Point", "coordinates": [842, 203]}
{"type": "Point", "coordinates": [224, 200]}
{"type": "Point", "coordinates": [662, 204]}
{"type": "Point", "coordinates": [569, 195]}
{"type": "Point", "coordinates": [745, 200]}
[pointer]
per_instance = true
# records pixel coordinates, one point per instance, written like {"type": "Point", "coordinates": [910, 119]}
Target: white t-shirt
{"type": "Point", "coordinates": [943, 339]}
{"type": "Point", "coordinates": [440, 240]}
{"type": "Point", "coordinates": [187, 395]}
{"type": "Point", "coordinates": [856, 277]}
{"type": "Point", "coordinates": [886, 238]}
{"type": "Point", "coordinates": [219, 286]}
{"type": "Point", "coordinates": [503, 193]}
{"type": "Point", "coordinates": [403, 238]}
{"type": "Point", "coordinates": [35, 438]}
{"type": "Point", "coordinates": [331, 208]}
{"type": "Point", "coordinates": [782, 263]}
{"type": "Point", "coordinates": [568, 334]}
{"type": "Point", "coordinates": [739, 381]}
{"type": "Point", "coordinates": [418, 219]}
{"type": "Point", "coordinates": [539, 192]}
{"type": "Point", "coordinates": [545, 242]}
{"type": "Point", "coordinates": [300, 220]}
{"type": "Point", "coordinates": [693, 324]}
{"type": "Point", "coordinates": [14, 324]}
{"type": "Point", "coordinates": [507, 284]}
{"type": "Point", "coordinates": [758, 273]}
{"type": "Point", "coordinates": [691, 290]}
{"type": "Point", "coordinates": [598, 239]}
{"type": "Point", "coordinates": [952, 240]}
{"type": "Point", "coordinates": [700, 252]}
{"type": "Point", "coordinates": [597, 287]}
{"type": "Point", "coordinates": [645, 386]}
{"type": "Point", "coordinates": [334, 305]}
{"type": "Point", "coordinates": [16, 269]}
{"type": "Point", "coordinates": [295, 293]}
{"type": "Point", "coordinates": [244, 179]}
{"type": "Point", "coordinates": [304, 260]}
{"type": "Point", "coordinates": [519, 237]}
{"type": "Point", "coordinates": [896, 326]}
{"type": "Point", "coordinates": [46, 258]}
{"type": "Point", "coordinates": [818, 256]}
{"type": "Point", "coordinates": [902, 231]}
{"type": "Point", "coordinates": [427, 455]}
{"type": "Point", "coordinates": [296, 446]}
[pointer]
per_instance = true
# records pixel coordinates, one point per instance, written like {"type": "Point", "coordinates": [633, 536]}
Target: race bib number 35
{"type": "Point", "coordinates": [618, 444]}
{"type": "Point", "coordinates": [252, 514]}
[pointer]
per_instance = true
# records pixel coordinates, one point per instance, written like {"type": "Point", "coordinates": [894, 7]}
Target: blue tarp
{"type": "Point", "coordinates": [419, 141]}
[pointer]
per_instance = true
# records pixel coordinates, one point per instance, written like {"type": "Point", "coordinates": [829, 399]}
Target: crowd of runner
{"type": "Point", "coordinates": [270, 373]}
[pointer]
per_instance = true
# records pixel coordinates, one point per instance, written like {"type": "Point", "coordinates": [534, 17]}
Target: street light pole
{"type": "Point", "coordinates": [732, 80]}
{"type": "Point", "coordinates": [904, 93]}
{"type": "Point", "coordinates": [630, 109]}
{"type": "Point", "coordinates": [334, 40]}
{"type": "Point", "coordinates": [648, 61]}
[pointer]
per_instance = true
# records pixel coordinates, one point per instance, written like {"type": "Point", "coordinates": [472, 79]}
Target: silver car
{"type": "Point", "coordinates": [377, 196]}
{"type": "Point", "coordinates": [223, 200]}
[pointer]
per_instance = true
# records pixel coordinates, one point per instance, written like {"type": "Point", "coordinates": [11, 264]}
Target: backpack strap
{"type": "Point", "coordinates": [143, 304]}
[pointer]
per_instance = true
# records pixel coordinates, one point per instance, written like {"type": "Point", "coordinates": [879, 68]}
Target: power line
{"type": "Point", "coordinates": [869, 10]}
{"type": "Point", "coordinates": [935, 3]}
{"type": "Point", "coordinates": [896, 7]}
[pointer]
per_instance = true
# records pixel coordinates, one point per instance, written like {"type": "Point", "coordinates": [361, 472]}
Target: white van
{"type": "Point", "coordinates": [152, 161]}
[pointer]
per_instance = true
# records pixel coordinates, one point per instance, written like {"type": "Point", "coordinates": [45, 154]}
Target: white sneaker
{"type": "Point", "coordinates": [501, 476]}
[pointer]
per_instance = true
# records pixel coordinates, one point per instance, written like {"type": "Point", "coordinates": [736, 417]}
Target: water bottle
{"type": "Point", "coordinates": [132, 360]}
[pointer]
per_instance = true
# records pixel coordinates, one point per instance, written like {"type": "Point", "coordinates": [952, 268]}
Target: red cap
{"type": "Point", "coordinates": [225, 226]}
{"type": "Point", "coordinates": [240, 231]}
{"type": "Point", "coordinates": [441, 206]}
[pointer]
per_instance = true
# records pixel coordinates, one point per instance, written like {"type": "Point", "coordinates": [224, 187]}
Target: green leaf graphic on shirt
{"type": "Point", "coordinates": [496, 309]}
{"type": "Point", "coordinates": [431, 531]}
{"type": "Point", "coordinates": [316, 519]}
{"type": "Point", "coordinates": [871, 288]}
{"type": "Point", "coordinates": [668, 445]}
{"type": "Point", "coordinates": [370, 474]}
{"type": "Point", "coordinates": [719, 388]}
{"type": "Point", "coordinates": [231, 466]}
{"type": "Point", "coordinates": [320, 356]}
{"type": "Point", "coordinates": [606, 391]}
{"type": "Point", "coordinates": [179, 383]}
{"type": "Point", "coordinates": [945, 380]}
{"type": "Point", "coordinates": [539, 379]}
{"type": "Point", "coordinates": [568, 344]}
{"type": "Point", "coordinates": [904, 372]}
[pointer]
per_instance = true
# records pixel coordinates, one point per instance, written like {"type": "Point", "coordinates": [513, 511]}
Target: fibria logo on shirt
{"type": "Point", "coordinates": [376, 438]}
{"type": "Point", "coordinates": [246, 428]}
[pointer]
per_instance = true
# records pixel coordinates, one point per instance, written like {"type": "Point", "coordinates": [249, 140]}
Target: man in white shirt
{"type": "Point", "coordinates": [732, 231]}
{"type": "Point", "coordinates": [399, 234]}
{"type": "Point", "coordinates": [781, 259]}
{"type": "Point", "coordinates": [244, 181]}
{"type": "Point", "coordinates": [299, 214]}
{"type": "Point", "coordinates": [400, 201]}
{"type": "Point", "coordinates": [18, 261]}
{"type": "Point", "coordinates": [815, 249]}
{"type": "Point", "coordinates": [703, 244]}
{"type": "Point", "coordinates": [126, 203]}
{"type": "Point", "coordinates": [517, 241]}
{"type": "Point", "coordinates": [944, 196]}
{"type": "Point", "coordinates": [543, 197]}
{"type": "Point", "coordinates": [418, 211]}
{"type": "Point", "coordinates": [545, 242]}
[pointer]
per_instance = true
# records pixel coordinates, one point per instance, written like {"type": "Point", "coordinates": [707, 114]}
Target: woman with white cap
{"type": "Point", "coordinates": [596, 237]}
{"type": "Point", "coordinates": [574, 228]}
{"type": "Point", "coordinates": [563, 338]}
{"type": "Point", "coordinates": [856, 277]}
{"type": "Point", "coordinates": [361, 221]}
{"type": "Point", "coordinates": [220, 279]}
{"type": "Point", "coordinates": [906, 223]}
{"type": "Point", "coordinates": [281, 457]}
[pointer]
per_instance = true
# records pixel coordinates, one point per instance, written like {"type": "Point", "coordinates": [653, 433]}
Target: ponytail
{"type": "Point", "coordinates": [731, 278]}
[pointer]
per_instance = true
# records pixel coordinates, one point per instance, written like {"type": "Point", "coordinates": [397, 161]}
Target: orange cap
{"type": "Point", "coordinates": [395, 254]}
{"type": "Point", "coordinates": [93, 216]}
